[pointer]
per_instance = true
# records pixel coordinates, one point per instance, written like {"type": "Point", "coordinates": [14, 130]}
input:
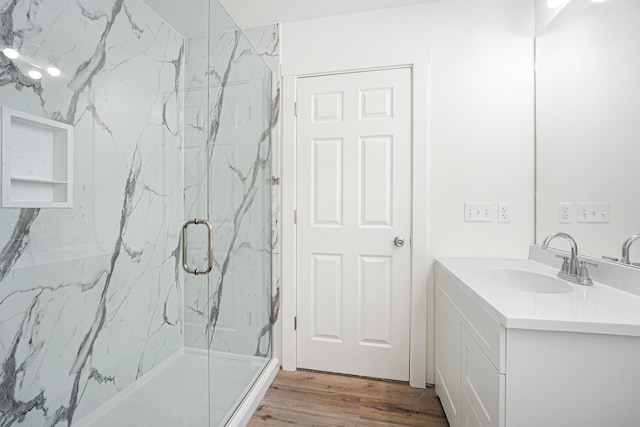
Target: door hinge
{"type": "Point", "coordinates": [295, 216]}
{"type": "Point", "coordinates": [295, 109]}
{"type": "Point", "coordinates": [295, 323]}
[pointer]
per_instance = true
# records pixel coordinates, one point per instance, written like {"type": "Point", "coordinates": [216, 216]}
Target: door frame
{"type": "Point", "coordinates": [419, 238]}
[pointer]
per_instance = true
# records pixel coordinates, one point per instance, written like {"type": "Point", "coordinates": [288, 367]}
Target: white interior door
{"type": "Point", "coordinates": [353, 201]}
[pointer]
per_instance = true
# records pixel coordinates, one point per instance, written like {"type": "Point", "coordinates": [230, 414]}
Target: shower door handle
{"type": "Point", "coordinates": [209, 249]}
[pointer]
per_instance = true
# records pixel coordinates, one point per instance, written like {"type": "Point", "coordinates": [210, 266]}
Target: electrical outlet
{"type": "Point", "coordinates": [504, 213]}
{"type": "Point", "coordinates": [565, 213]}
{"type": "Point", "coordinates": [592, 212]}
{"type": "Point", "coordinates": [479, 212]}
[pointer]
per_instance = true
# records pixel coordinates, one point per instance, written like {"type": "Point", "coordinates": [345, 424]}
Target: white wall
{"type": "Point", "coordinates": [480, 103]}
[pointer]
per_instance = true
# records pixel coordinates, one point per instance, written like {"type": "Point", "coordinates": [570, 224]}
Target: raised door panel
{"type": "Point", "coordinates": [326, 284]}
{"type": "Point", "coordinates": [376, 181]}
{"type": "Point", "coordinates": [326, 182]}
{"type": "Point", "coordinates": [375, 285]}
{"type": "Point", "coordinates": [376, 103]}
{"type": "Point", "coordinates": [327, 107]}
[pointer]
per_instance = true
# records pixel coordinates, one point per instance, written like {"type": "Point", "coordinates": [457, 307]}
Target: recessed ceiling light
{"type": "Point", "coordinates": [36, 75]}
{"type": "Point", "coordinates": [53, 71]}
{"type": "Point", "coordinates": [10, 53]}
{"type": "Point", "coordinates": [597, 1]}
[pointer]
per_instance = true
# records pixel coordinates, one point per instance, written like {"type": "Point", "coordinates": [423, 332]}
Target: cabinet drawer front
{"type": "Point", "coordinates": [487, 331]}
{"type": "Point", "coordinates": [481, 383]}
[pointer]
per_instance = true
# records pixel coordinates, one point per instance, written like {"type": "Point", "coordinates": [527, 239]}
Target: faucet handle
{"type": "Point", "coordinates": [610, 258]}
{"type": "Point", "coordinates": [583, 274]}
{"type": "Point", "coordinates": [565, 263]}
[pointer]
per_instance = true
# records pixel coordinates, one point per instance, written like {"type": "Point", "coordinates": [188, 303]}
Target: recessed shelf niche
{"type": "Point", "coordinates": [37, 161]}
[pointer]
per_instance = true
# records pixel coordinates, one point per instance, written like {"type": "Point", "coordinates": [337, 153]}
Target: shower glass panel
{"type": "Point", "coordinates": [121, 120]}
{"type": "Point", "coordinates": [239, 206]}
{"type": "Point", "coordinates": [227, 181]}
{"type": "Point", "coordinates": [90, 285]}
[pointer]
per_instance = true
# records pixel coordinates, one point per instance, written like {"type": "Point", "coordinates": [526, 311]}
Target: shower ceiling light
{"type": "Point", "coordinates": [36, 75]}
{"type": "Point", "coordinates": [10, 53]}
{"type": "Point", "coordinates": [53, 71]}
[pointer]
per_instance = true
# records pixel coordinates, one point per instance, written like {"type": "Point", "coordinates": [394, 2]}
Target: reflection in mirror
{"type": "Point", "coordinates": [588, 123]}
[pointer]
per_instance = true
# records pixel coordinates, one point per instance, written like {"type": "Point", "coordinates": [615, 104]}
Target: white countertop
{"type": "Point", "coordinates": [592, 309]}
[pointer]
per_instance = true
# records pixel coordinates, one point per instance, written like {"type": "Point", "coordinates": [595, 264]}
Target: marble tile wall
{"type": "Point", "coordinates": [91, 296]}
{"type": "Point", "coordinates": [266, 41]}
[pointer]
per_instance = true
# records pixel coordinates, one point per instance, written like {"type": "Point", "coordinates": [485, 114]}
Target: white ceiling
{"type": "Point", "coordinates": [253, 13]}
{"type": "Point", "coordinates": [189, 17]}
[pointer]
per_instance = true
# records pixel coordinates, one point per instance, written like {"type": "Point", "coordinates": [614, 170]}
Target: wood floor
{"type": "Point", "coordinates": [306, 398]}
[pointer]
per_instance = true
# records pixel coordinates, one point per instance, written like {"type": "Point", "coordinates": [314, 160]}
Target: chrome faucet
{"type": "Point", "coordinates": [572, 269]}
{"type": "Point", "coordinates": [573, 261]}
{"type": "Point", "coordinates": [625, 249]}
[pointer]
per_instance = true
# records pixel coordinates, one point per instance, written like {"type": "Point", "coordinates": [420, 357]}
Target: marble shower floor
{"type": "Point", "coordinates": [178, 394]}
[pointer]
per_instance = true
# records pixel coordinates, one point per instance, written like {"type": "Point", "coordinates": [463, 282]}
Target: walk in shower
{"type": "Point", "coordinates": [135, 136]}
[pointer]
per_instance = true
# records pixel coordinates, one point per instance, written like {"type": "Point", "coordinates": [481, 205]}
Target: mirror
{"type": "Point", "coordinates": [588, 123]}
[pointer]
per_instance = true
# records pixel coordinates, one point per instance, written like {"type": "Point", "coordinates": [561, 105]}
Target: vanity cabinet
{"type": "Point", "coordinates": [469, 358]}
{"type": "Point", "coordinates": [540, 372]}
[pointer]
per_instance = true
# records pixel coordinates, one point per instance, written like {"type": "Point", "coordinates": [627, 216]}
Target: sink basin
{"type": "Point", "coordinates": [525, 281]}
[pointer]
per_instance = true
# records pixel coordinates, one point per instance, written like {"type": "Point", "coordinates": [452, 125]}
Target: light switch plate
{"type": "Point", "coordinates": [593, 212]}
{"type": "Point", "coordinates": [479, 212]}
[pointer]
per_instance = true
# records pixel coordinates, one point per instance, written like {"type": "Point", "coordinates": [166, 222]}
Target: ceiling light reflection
{"type": "Point", "coordinates": [10, 53]}
{"type": "Point", "coordinates": [53, 71]}
{"type": "Point", "coordinates": [36, 75]}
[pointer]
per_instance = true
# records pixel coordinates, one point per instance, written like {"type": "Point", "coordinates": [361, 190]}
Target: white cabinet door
{"type": "Point", "coordinates": [468, 417]}
{"type": "Point", "coordinates": [447, 357]}
{"type": "Point", "coordinates": [483, 388]}
{"type": "Point", "coordinates": [353, 200]}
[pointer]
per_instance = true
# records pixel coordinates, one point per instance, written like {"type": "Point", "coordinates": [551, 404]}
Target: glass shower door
{"type": "Point", "coordinates": [228, 182]}
{"type": "Point", "coordinates": [239, 143]}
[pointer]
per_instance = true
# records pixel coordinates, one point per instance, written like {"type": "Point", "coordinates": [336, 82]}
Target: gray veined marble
{"type": "Point", "coordinates": [241, 158]}
{"type": "Point", "coordinates": [18, 240]}
{"type": "Point", "coordinates": [266, 41]}
{"type": "Point", "coordinates": [93, 297]}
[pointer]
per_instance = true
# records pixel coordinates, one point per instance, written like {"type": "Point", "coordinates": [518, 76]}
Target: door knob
{"type": "Point", "coordinates": [398, 241]}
